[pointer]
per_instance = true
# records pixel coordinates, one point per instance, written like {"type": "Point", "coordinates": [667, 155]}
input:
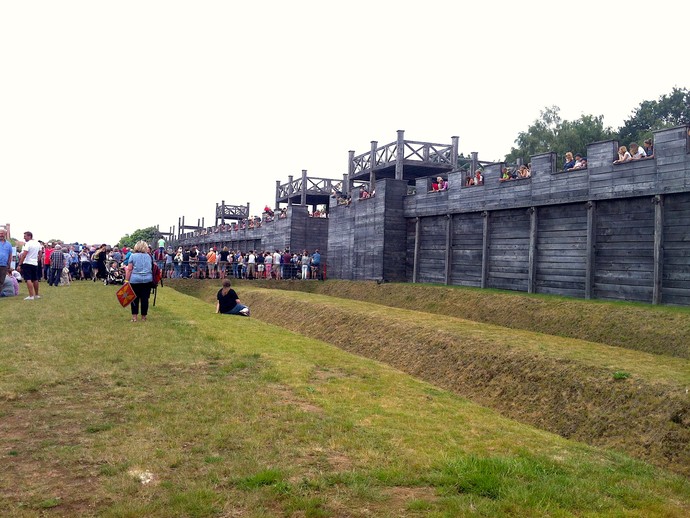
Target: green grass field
{"type": "Point", "coordinates": [197, 414]}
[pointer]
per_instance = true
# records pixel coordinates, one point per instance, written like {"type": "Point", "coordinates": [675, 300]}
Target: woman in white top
{"type": "Point", "coordinates": [623, 155]}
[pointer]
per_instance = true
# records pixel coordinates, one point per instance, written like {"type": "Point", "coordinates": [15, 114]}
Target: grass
{"type": "Point", "coordinates": [632, 325]}
{"type": "Point", "coordinates": [559, 384]}
{"type": "Point", "coordinates": [236, 417]}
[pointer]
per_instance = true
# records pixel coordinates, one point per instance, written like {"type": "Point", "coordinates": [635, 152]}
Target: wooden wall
{"type": "Point", "coordinates": [624, 265]}
{"type": "Point", "coordinates": [612, 231]}
{"type": "Point", "coordinates": [676, 250]}
{"type": "Point", "coordinates": [605, 249]}
{"type": "Point", "coordinates": [561, 246]}
{"type": "Point", "coordinates": [508, 249]}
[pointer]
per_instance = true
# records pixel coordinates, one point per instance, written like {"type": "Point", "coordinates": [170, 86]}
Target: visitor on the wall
{"type": "Point", "coordinates": [524, 172]}
{"type": "Point", "coordinates": [569, 161]}
{"type": "Point", "coordinates": [578, 162]}
{"type": "Point", "coordinates": [623, 155]}
{"type": "Point", "coordinates": [636, 152]}
{"type": "Point", "coordinates": [478, 177]}
{"type": "Point", "coordinates": [649, 148]}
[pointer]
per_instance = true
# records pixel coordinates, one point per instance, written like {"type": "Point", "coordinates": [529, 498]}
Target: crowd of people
{"type": "Point", "coordinates": [58, 264]}
{"type": "Point", "coordinates": [255, 222]}
{"type": "Point", "coordinates": [213, 263]}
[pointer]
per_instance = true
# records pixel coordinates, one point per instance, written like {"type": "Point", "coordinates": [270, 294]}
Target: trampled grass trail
{"type": "Point", "coordinates": [198, 414]}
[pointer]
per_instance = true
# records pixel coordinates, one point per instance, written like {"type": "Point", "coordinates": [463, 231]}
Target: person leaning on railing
{"type": "Point", "coordinates": [649, 148]}
{"type": "Point", "coordinates": [623, 155]}
{"type": "Point", "coordinates": [637, 152]}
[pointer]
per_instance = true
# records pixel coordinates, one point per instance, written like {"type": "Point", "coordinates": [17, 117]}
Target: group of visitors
{"type": "Point", "coordinates": [636, 152]}
{"type": "Point", "coordinates": [574, 163]}
{"type": "Point", "coordinates": [512, 173]}
{"type": "Point", "coordinates": [197, 263]}
{"type": "Point", "coordinates": [475, 179]}
{"type": "Point", "coordinates": [439, 184]}
{"type": "Point", "coordinates": [51, 262]}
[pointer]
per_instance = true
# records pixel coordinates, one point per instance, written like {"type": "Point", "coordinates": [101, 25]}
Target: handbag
{"type": "Point", "coordinates": [125, 295]}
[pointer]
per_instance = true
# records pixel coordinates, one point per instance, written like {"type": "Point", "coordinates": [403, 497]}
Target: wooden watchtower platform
{"type": "Point", "coordinates": [403, 160]}
{"type": "Point", "coordinates": [306, 190]}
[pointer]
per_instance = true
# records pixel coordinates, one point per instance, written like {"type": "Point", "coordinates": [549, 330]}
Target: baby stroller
{"type": "Point", "coordinates": [114, 274]}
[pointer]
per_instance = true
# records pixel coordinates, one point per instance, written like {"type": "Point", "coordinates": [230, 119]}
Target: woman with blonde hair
{"type": "Point", "coordinates": [569, 161]}
{"type": "Point", "coordinates": [623, 155]}
{"type": "Point", "coordinates": [139, 274]}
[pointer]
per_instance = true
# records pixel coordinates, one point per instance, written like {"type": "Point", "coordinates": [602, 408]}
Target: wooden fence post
{"type": "Point", "coordinates": [372, 163]}
{"type": "Point", "coordinates": [400, 155]}
{"type": "Point", "coordinates": [658, 201]}
{"type": "Point", "coordinates": [415, 259]}
{"type": "Point", "coordinates": [303, 199]}
{"type": "Point", "coordinates": [449, 246]}
{"type": "Point", "coordinates": [591, 248]}
{"type": "Point", "coordinates": [485, 249]}
{"type": "Point", "coordinates": [532, 271]}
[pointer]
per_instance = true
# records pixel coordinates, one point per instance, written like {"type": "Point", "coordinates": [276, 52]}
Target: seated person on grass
{"type": "Point", "coordinates": [228, 303]}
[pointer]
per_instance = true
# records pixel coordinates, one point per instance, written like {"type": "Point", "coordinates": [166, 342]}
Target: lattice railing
{"type": "Point", "coordinates": [425, 152]}
{"type": "Point", "coordinates": [232, 212]}
{"type": "Point", "coordinates": [313, 186]}
{"type": "Point", "coordinates": [361, 162]}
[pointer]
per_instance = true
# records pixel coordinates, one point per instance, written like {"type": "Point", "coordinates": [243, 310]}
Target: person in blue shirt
{"type": "Point", "coordinates": [5, 255]}
{"type": "Point", "coordinates": [139, 274]}
{"type": "Point", "coordinates": [316, 265]}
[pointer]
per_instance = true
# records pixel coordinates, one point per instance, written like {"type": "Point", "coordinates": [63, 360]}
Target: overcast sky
{"type": "Point", "coordinates": [116, 116]}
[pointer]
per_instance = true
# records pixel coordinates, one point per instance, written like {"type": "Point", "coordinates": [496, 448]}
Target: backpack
{"type": "Point", "coordinates": [157, 275]}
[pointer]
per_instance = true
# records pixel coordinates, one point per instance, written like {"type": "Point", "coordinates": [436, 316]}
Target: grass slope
{"type": "Point", "coordinates": [654, 329]}
{"type": "Point", "coordinates": [607, 396]}
{"type": "Point", "coordinates": [197, 414]}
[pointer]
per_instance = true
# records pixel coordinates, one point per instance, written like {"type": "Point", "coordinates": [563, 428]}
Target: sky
{"type": "Point", "coordinates": [116, 116]}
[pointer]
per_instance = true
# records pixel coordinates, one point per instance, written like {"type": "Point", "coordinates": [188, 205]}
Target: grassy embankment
{"type": "Point", "coordinates": [607, 396]}
{"type": "Point", "coordinates": [227, 416]}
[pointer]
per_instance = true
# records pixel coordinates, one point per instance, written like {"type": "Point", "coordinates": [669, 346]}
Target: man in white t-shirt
{"type": "Point", "coordinates": [251, 265]}
{"type": "Point", "coordinates": [637, 152]}
{"type": "Point", "coordinates": [28, 265]}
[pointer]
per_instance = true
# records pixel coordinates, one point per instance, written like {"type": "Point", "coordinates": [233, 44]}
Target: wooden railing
{"type": "Point", "coordinates": [424, 152]}
{"type": "Point", "coordinates": [313, 186]}
{"type": "Point", "coordinates": [232, 212]}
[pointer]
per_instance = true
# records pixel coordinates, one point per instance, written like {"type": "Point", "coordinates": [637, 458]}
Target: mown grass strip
{"type": "Point", "coordinates": [654, 329]}
{"type": "Point", "coordinates": [563, 385]}
{"type": "Point", "coordinates": [293, 427]}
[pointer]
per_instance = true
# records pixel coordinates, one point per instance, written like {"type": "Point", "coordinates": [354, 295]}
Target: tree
{"type": "Point", "coordinates": [550, 133]}
{"type": "Point", "coordinates": [149, 234]}
{"type": "Point", "coordinates": [670, 110]}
